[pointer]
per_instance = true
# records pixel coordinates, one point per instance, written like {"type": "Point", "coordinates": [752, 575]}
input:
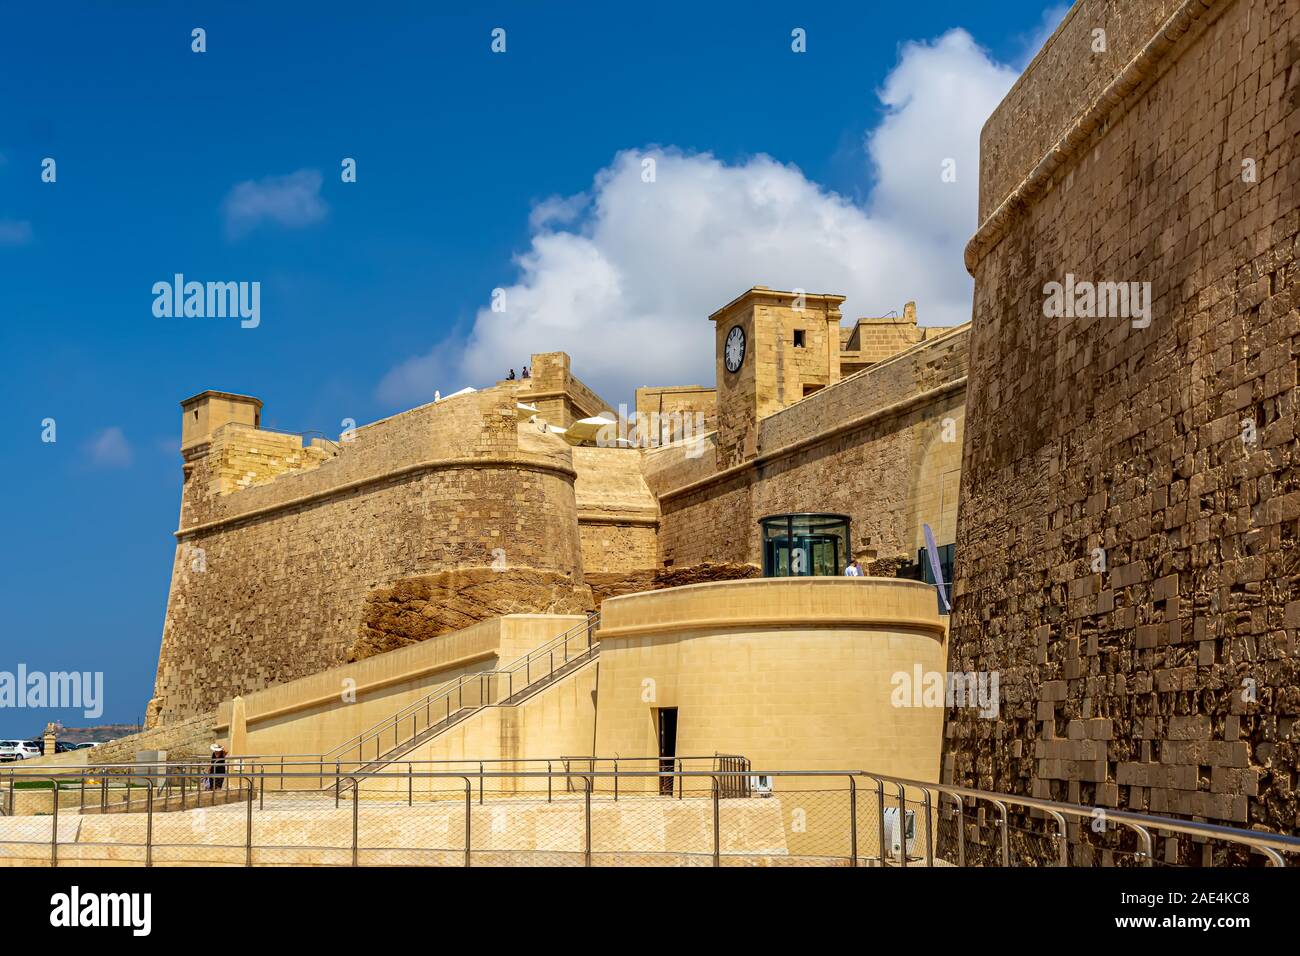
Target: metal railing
{"type": "Point", "coordinates": [123, 788]}
{"type": "Point", "coordinates": [578, 815]}
{"type": "Point", "coordinates": [305, 772]}
{"type": "Point", "coordinates": [1071, 823]}
{"type": "Point", "coordinates": [539, 665]}
{"type": "Point", "coordinates": [453, 701]}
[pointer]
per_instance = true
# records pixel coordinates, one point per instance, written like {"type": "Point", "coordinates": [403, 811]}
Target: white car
{"type": "Point", "coordinates": [18, 750]}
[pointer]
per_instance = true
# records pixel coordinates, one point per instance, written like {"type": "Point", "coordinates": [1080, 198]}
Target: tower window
{"type": "Point", "coordinates": [798, 338]}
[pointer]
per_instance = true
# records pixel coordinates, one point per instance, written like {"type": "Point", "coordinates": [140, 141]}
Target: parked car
{"type": "Point", "coordinates": [60, 746]}
{"type": "Point", "coordinates": [83, 746]}
{"type": "Point", "coordinates": [18, 750]}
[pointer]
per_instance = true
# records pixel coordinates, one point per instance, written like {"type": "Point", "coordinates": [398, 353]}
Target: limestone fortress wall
{"type": "Point", "coordinates": [286, 557]}
{"type": "Point", "coordinates": [1127, 545]}
{"type": "Point", "coordinates": [294, 559]}
{"type": "Point", "coordinates": [882, 446]}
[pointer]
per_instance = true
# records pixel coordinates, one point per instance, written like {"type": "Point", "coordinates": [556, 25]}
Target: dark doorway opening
{"type": "Point", "coordinates": [667, 721]}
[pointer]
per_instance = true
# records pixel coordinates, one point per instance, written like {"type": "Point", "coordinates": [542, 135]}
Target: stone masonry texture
{"type": "Point", "coordinates": [882, 446]}
{"type": "Point", "coordinates": [273, 571]}
{"type": "Point", "coordinates": [1128, 550]}
{"type": "Point", "coordinates": [293, 559]}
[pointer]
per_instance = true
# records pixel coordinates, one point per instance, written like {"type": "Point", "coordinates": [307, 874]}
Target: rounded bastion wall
{"type": "Point", "coordinates": [277, 590]}
{"type": "Point", "coordinates": [791, 673]}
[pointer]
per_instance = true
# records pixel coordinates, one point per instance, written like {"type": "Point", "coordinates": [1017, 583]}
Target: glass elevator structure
{"type": "Point", "coordinates": [805, 545]}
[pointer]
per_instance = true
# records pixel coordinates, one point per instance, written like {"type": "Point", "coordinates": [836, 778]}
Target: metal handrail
{"type": "Point", "coordinates": [1270, 845]}
{"type": "Point", "coordinates": [445, 691]}
{"type": "Point", "coordinates": [1273, 846]}
{"type": "Point", "coordinates": [269, 765]}
{"type": "Point", "coordinates": [173, 775]}
{"type": "Point", "coordinates": [1267, 843]}
{"type": "Point", "coordinates": [547, 651]}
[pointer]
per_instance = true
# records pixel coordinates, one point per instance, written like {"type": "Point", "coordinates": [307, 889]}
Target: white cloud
{"type": "Point", "coordinates": [15, 232]}
{"type": "Point", "coordinates": [110, 449]}
{"type": "Point", "coordinates": [624, 276]}
{"type": "Point", "coordinates": [292, 201]}
{"type": "Point", "coordinates": [415, 380]}
{"type": "Point", "coordinates": [557, 211]}
{"type": "Point", "coordinates": [936, 101]}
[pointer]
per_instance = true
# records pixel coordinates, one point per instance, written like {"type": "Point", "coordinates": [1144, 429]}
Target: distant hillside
{"type": "Point", "coordinates": [101, 734]}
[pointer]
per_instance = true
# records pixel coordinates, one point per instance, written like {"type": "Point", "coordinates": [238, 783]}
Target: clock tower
{"type": "Point", "coordinates": [772, 349]}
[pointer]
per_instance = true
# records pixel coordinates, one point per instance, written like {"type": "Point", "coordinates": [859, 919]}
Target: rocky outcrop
{"type": "Point", "coordinates": [886, 567]}
{"type": "Point", "coordinates": [419, 608]}
{"type": "Point", "coordinates": [607, 585]}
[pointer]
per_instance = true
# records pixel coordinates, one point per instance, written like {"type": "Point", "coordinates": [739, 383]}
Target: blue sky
{"type": "Point", "coordinates": [373, 291]}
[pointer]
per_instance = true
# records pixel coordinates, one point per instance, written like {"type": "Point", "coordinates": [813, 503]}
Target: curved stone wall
{"type": "Point", "coordinates": [270, 581]}
{"type": "Point", "coordinates": [805, 673]}
{"type": "Point", "coordinates": [1127, 546]}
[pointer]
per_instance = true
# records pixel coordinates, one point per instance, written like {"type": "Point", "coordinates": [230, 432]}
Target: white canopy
{"type": "Point", "coordinates": [590, 429]}
{"type": "Point", "coordinates": [464, 391]}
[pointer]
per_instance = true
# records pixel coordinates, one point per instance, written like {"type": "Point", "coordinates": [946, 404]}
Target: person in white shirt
{"type": "Point", "coordinates": [853, 571]}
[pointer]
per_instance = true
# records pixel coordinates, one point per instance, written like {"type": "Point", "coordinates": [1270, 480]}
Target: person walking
{"type": "Point", "coordinates": [217, 768]}
{"type": "Point", "coordinates": [853, 570]}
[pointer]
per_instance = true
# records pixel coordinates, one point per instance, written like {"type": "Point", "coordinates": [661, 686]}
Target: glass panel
{"type": "Point", "coordinates": [805, 545]}
{"type": "Point", "coordinates": [825, 556]}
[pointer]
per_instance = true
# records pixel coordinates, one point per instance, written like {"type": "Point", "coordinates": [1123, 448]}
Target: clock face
{"type": "Point", "coordinates": [733, 352]}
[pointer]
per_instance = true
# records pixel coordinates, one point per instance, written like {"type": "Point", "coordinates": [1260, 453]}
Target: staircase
{"type": "Point", "coordinates": [454, 701]}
